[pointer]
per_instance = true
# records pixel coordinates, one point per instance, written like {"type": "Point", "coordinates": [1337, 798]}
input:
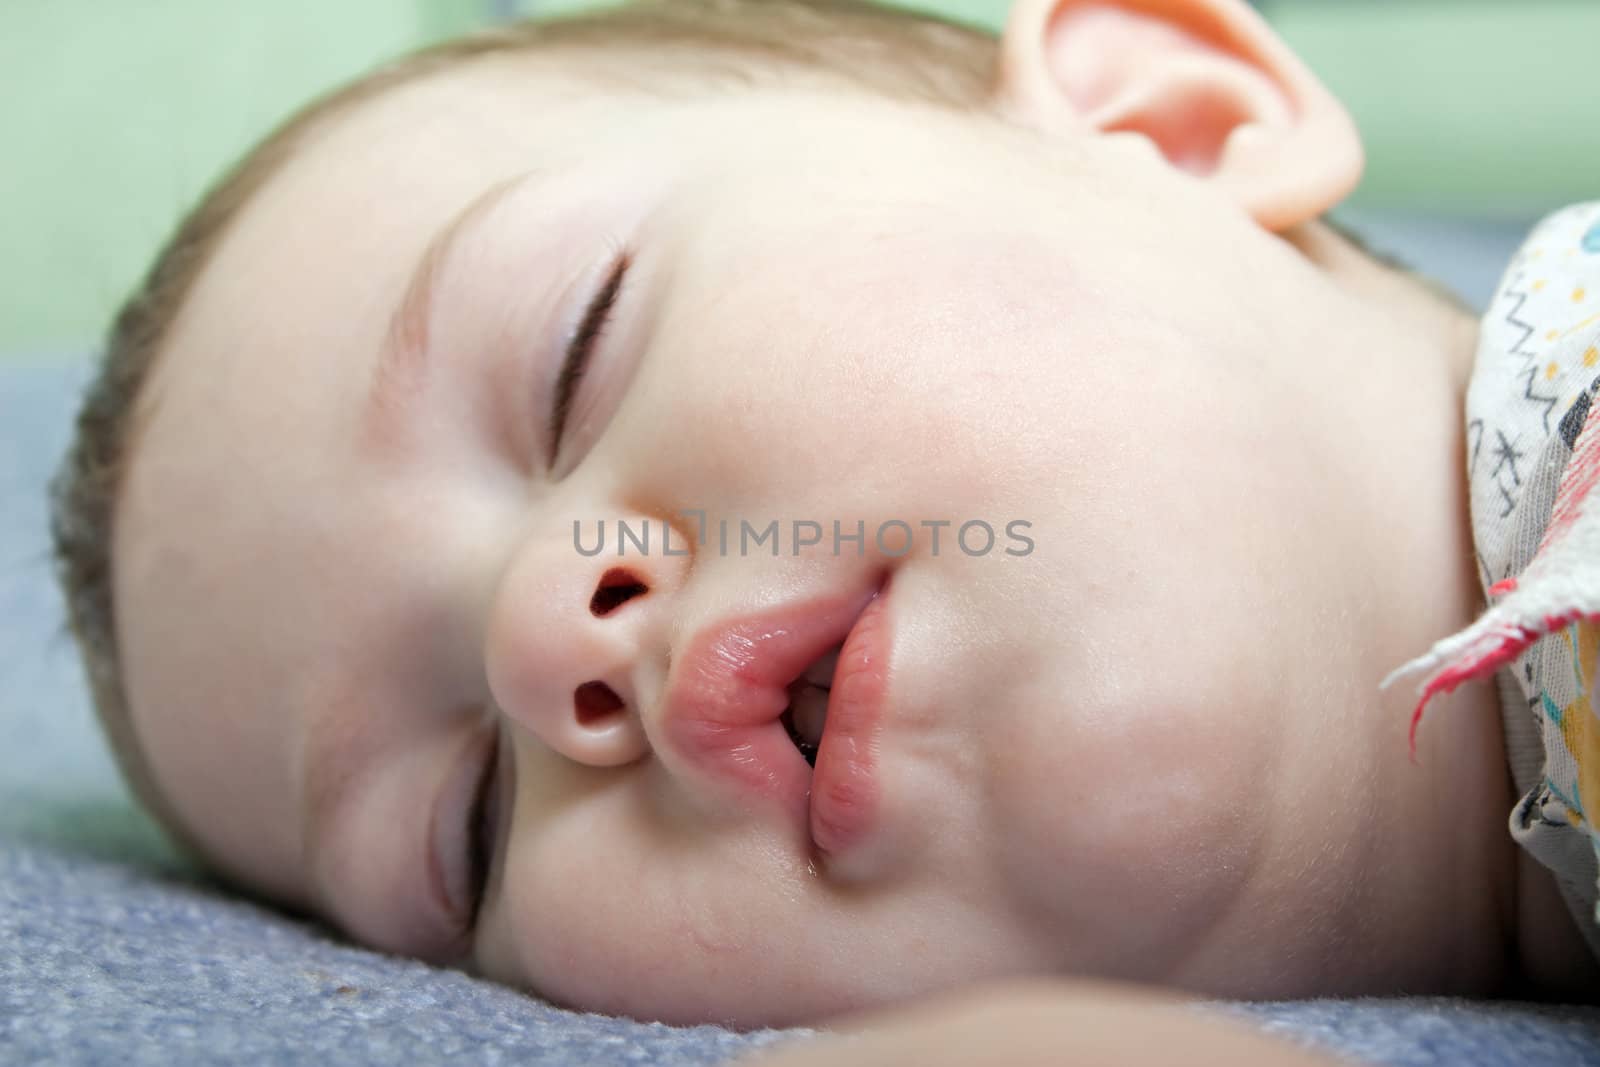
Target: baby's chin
{"type": "Point", "coordinates": [792, 980]}
{"type": "Point", "coordinates": [751, 951]}
{"type": "Point", "coordinates": [797, 975]}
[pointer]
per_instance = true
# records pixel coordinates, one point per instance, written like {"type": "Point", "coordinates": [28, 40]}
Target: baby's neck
{"type": "Point", "coordinates": [1501, 898]}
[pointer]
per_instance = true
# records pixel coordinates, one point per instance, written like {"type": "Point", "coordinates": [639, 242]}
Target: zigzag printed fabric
{"type": "Point", "coordinates": [1533, 457]}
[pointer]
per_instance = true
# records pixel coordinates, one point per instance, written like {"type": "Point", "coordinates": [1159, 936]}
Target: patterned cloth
{"type": "Point", "coordinates": [1533, 457]}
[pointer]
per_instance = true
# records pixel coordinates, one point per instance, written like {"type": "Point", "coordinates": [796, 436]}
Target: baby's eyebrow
{"type": "Point", "coordinates": [402, 365]}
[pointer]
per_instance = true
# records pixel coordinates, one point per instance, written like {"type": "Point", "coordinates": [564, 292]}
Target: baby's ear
{"type": "Point", "coordinates": [1206, 81]}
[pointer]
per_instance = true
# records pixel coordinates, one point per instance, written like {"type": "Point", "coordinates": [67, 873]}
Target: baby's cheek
{"type": "Point", "coordinates": [1135, 831]}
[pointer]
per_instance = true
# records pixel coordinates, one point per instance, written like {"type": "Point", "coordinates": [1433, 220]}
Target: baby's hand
{"type": "Point", "coordinates": [1057, 1023]}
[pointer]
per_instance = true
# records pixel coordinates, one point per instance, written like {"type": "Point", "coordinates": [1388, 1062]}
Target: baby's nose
{"type": "Point", "coordinates": [570, 634]}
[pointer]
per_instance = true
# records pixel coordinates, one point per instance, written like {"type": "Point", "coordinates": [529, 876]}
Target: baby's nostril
{"type": "Point", "coordinates": [617, 586]}
{"type": "Point", "coordinates": [594, 702]}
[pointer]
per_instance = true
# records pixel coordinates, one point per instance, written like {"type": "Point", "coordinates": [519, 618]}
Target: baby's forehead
{"type": "Point", "coordinates": [341, 219]}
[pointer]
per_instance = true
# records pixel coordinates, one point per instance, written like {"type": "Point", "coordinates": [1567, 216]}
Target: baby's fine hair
{"type": "Point", "coordinates": [657, 46]}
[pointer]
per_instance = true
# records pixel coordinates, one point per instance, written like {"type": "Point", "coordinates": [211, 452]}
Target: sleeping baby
{"type": "Point", "coordinates": [748, 510]}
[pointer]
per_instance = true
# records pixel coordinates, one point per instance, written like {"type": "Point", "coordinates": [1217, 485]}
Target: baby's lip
{"type": "Point", "coordinates": [844, 787]}
{"type": "Point", "coordinates": [728, 690]}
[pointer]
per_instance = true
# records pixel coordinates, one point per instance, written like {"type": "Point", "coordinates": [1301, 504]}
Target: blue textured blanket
{"type": "Point", "coordinates": [112, 951]}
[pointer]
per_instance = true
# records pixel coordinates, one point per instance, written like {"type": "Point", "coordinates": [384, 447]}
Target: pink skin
{"type": "Point", "coordinates": [1153, 750]}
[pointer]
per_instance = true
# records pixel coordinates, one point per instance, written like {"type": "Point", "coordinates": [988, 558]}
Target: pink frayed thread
{"type": "Point", "coordinates": [1448, 679]}
{"type": "Point", "coordinates": [1475, 667]}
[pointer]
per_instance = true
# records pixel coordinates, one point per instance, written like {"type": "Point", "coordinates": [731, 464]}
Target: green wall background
{"type": "Point", "coordinates": [116, 116]}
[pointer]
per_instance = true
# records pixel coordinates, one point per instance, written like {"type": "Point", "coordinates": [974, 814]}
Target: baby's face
{"type": "Point", "coordinates": [351, 592]}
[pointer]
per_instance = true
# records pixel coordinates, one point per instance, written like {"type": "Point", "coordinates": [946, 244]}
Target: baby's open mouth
{"type": "Point", "coordinates": [806, 677]}
{"type": "Point", "coordinates": [807, 712]}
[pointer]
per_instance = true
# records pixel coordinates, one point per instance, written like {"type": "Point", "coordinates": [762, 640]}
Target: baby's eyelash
{"type": "Point", "coordinates": [481, 831]}
{"type": "Point", "coordinates": [579, 350]}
